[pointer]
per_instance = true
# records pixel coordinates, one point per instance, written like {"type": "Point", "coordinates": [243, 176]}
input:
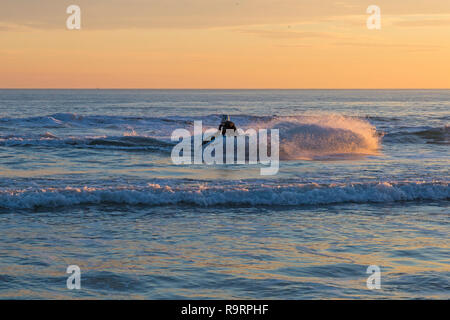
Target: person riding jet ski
{"type": "Point", "coordinates": [226, 124]}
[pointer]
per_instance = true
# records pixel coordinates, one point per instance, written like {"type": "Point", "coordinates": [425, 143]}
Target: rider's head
{"type": "Point", "coordinates": [225, 118]}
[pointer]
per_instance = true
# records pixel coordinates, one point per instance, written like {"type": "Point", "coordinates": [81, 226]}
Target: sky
{"type": "Point", "coordinates": [225, 44]}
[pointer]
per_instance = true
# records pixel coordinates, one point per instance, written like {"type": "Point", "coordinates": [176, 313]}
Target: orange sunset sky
{"type": "Point", "coordinates": [225, 44]}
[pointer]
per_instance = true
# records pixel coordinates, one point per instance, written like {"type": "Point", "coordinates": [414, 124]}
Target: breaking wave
{"type": "Point", "coordinates": [238, 194]}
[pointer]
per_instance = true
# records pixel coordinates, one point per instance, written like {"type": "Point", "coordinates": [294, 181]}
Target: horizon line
{"type": "Point", "coordinates": [118, 88]}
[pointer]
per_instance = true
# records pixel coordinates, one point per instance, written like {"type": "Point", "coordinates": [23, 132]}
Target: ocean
{"type": "Point", "coordinates": [87, 179]}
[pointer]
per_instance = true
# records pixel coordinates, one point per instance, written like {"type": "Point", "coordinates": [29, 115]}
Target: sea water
{"type": "Point", "coordinates": [87, 179]}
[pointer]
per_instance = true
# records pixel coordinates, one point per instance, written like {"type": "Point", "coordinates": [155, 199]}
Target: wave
{"type": "Point", "coordinates": [61, 120]}
{"type": "Point", "coordinates": [383, 119]}
{"type": "Point", "coordinates": [301, 137]}
{"type": "Point", "coordinates": [126, 142]}
{"type": "Point", "coordinates": [235, 194]}
{"type": "Point", "coordinates": [438, 135]}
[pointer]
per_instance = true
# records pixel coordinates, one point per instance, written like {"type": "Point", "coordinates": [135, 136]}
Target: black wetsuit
{"type": "Point", "coordinates": [227, 125]}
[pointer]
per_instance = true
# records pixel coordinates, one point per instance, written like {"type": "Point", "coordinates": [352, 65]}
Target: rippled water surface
{"type": "Point", "coordinates": [86, 179]}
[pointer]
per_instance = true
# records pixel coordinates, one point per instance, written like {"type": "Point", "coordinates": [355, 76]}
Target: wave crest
{"type": "Point", "coordinates": [240, 194]}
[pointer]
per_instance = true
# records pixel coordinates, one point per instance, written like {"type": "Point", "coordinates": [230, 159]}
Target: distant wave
{"type": "Point", "coordinates": [126, 142]}
{"type": "Point", "coordinates": [439, 135]}
{"type": "Point", "coordinates": [234, 194]}
{"type": "Point", "coordinates": [383, 119]}
{"type": "Point", "coordinates": [61, 120]}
